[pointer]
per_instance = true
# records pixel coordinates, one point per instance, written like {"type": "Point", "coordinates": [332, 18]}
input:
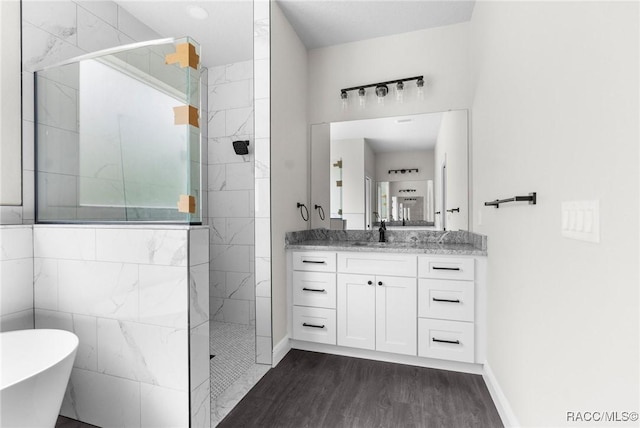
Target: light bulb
{"type": "Point", "coordinates": [400, 92]}
{"type": "Point", "coordinates": [345, 100]}
{"type": "Point", "coordinates": [362, 96]}
{"type": "Point", "coordinates": [420, 84]}
{"type": "Point", "coordinates": [381, 92]}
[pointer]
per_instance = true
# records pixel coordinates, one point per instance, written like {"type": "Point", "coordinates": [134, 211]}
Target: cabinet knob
{"type": "Point", "coordinates": [379, 282]}
{"type": "Point", "coordinates": [369, 282]}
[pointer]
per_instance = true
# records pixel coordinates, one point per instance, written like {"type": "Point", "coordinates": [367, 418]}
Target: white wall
{"type": "Point", "coordinates": [556, 112]}
{"type": "Point", "coordinates": [322, 170]}
{"type": "Point", "coordinates": [16, 277]}
{"type": "Point", "coordinates": [231, 187]}
{"type": "Point", "coordinates": [440, 54]}
{"type": "Point", "coordinates": [11, 148]}
{"type": "Point", "coordinates": [289, 136]}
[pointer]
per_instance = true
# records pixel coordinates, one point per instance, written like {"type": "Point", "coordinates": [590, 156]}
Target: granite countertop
{"type": "Point", "coordinates": [390, 247]}
{"type": "Point", "coordinates": [412, 242]}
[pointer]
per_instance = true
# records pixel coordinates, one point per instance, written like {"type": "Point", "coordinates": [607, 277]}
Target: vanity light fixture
{"type": "Point", "coordinates": [382, 89]}
{"type": "Point", "coordinates": [407, 190]}
{"type": "Point", "coordinates": [403, 170]}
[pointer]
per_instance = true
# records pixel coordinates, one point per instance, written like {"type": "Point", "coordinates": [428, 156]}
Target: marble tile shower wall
{"type": "Point", "coordinates": [137, 299]}
{"type": "Point", "coordinates": [16, 278]}
{"type": "Point", "coordinates": [262, 55]}
{"type": "Point", "coordinates": [231, 194]}
{"type": "Point", "coordinates": [53, 31]}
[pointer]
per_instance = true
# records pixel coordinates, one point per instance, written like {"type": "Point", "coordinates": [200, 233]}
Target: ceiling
{"type": "Point", "coordinates": [321, 23]}
{"type": "Point", "coordinates": [226, 35]}
{"type": "Point", "coordinates": [392, 134]}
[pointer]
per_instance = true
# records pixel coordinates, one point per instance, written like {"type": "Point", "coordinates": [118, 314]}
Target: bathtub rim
{"type": "Point", "coordinates": [68, 335]}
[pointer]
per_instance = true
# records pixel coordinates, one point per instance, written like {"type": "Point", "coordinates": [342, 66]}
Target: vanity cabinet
{"type": "Point", "coordinates": [377, 312]}
{"type": "Point", "coordinates": [314, 297]}
{"type": "Point", "coordinates": [446, 308]}
{"type": "Point", "coordinates": [416, 306]}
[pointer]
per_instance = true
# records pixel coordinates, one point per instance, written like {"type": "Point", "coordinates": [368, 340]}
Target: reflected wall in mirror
{"type": "Point", "coordinates": [10, 105]}
{"type": "Point", "coordinates": [410, 171]}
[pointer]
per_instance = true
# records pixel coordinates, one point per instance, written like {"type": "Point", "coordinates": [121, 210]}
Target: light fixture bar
{"type": "Point", "coordinates": [403, 170]}
{"type": "Point", "coordinates": [390, 82]}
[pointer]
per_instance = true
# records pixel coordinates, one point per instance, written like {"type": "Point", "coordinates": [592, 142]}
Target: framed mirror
{"type": "Point", "coordinates": [410, 171]}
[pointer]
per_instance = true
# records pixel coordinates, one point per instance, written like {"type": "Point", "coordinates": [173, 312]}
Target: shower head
{"type": "Point", "coordinates": [241, 147]}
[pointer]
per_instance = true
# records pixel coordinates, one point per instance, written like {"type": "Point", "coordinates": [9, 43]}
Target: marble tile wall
{"type": "Point", "coordinates": [16, 278]}
{"type": "Point", "coordinates": [53, 31]}
{"type": "Point", "coordinates": [200, 385]}
{"type": "Point", "coordinates": [133, 296]}
{"type": "Point", "coordinates": [262, 55]}
{"type": "Point", "coordinates": [231, 193]}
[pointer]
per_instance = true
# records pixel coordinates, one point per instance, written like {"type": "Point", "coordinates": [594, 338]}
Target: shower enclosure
{"type": "Point", "coordinates": [121, 258]}
{"type": "Point", "coordinates": [118, 136]}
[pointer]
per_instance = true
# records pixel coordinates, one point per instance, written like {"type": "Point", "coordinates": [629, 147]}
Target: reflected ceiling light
{"type": "Point", "coordinates": [197, 12]}
{"type": "Point", "coordinates": [382, 89]}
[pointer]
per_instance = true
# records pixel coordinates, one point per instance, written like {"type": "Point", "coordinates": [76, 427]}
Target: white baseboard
{"type": "Point", "coordinates": [280, 350]}
{"type": "Point", "coordinates": [499, 399]}
{"type": "Point", "coordinates": [388, 357]}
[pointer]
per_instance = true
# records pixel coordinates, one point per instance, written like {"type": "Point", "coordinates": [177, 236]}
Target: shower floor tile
{"type": "Point", "coordinates": [234, 350]}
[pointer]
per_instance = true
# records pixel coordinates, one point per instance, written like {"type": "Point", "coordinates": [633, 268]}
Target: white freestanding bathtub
{"type": "Point", "coordinates": [35, 366]}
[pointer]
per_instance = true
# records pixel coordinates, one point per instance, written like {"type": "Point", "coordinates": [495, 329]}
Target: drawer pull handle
{"type": "Point", "coordinates": [379, 282]}
{"type": "Point", "coordinates": [445, 268]}
{"type": "Point", "coordinates": [314, 289]}
{"type": "Point", "coordinates": [445, 300]}
{"type": "Point", "coordinates": [369, 282]}
{"type": "Point", "coordinates": [304, 324]}
{"type": "Point", "coordinates": [314, 261]}
{"type": "Point", "coordinates": [455, 342]}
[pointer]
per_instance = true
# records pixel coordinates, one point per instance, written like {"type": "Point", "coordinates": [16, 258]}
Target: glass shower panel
{"type": "Point", "coordinates": [118, 137]}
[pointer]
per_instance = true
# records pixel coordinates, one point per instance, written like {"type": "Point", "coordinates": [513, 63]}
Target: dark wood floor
{"type": "Point", "coordinates": [63, 422]}
{"type": "Point", "coordinates": [314, 390]}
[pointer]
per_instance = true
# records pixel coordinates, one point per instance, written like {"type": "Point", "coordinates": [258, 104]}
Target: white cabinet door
{"type": "Point", "coordinates": [356, 311]}
{"type": "Point", "coordinates": [396, 315]}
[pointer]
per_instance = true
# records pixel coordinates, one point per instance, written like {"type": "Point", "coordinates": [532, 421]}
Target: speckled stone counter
{"type": "Point", "coordinates": [409, 241]}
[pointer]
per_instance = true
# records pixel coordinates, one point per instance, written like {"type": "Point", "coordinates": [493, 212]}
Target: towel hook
{"type": "Point", "coordinates": [302, 214]}
{"type": "Point", "coordinates": [320, 211]}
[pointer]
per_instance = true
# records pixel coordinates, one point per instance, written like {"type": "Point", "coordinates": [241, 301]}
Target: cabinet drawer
{"type": "Point", "coordinates": [446, 268]}
{"type": "Point", "coordinates": [446, 299]}
{"type": "Point", "coordinates": [314, 324]}
{"type": "Point", "coordinates": [319, 261]}
{"type": "Point", "coordinates": [377, 264]}
{"type": "Point", "coordinates": [446, 340]}
{"type": "Point", "coordinates": [314, 289]}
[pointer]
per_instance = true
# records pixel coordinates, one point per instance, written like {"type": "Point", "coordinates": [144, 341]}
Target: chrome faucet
{"type": "Point", "coordinates": [382, 230]}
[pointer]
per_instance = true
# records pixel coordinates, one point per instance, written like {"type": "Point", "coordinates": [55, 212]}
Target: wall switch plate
{"type": "Point", "coordinates": [581, 220]}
